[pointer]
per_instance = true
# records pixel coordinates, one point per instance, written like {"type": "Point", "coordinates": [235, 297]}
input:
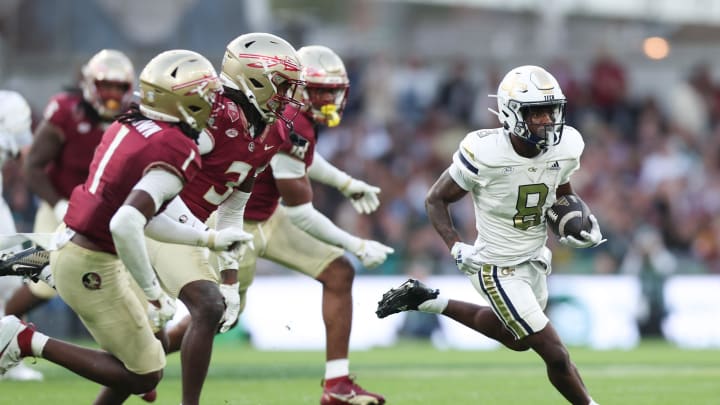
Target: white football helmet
{"type": "Point", "coordinates": [526, 87]}
{"type": "Point", "coordinates": [266, 69]}
{"type": "Point", "coordinates": [15, 123]}
{"type": "Point", "coordinates": [115, 68]}
{"type": "Point", "coordinates": [179, 86]}
{"type": "Point", "coordinates": [326, 84]}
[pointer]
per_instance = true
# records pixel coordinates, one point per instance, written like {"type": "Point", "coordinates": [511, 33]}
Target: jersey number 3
{"type": "Point", "coordinates": [242, 169]}
{"type": "Point", "coordinates": [531, 199]}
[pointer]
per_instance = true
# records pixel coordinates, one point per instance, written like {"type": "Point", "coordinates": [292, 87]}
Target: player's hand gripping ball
{"type": "Point", "coordinates": [568, 217]}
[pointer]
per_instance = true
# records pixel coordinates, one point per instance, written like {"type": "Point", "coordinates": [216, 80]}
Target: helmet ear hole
{"type": "Point", "coordinates": [174, 72]}
{"type": "Point", "coordinates": [256, 83]}
{"type": "Point", "coordinates": [194, 108]}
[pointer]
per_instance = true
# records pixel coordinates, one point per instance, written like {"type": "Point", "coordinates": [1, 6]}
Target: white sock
{"type": "Point", "coordinates": [435, 305]}
{"type": "Point", "coordinates": [37, 343]}
{"type": "Point", "coordinates": [337, 368]}
{"type": "Point", "coordinates": [592, 402]}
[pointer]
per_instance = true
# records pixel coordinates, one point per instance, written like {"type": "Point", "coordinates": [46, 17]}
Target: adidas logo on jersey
{"type": "Point", "coordinates": [555, 166]}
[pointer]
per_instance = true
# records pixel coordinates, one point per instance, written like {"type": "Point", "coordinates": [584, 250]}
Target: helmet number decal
{"type": "Point", "coordinates": [242, 170]}
{"type": "Point", "coordinates": [531, 199]}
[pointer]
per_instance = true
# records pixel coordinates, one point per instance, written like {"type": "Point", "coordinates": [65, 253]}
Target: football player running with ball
{"type": "Point", "coordinates": [141, 163]}
{"type": "Point", "coordinates": [514, 174]}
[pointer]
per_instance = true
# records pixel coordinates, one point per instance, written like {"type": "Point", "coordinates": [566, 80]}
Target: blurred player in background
{"type": "Point", "coordinates": [299, 237]}
{"type": "Point", "coordinates": [63, 146]}
{"type": "Point", "coordinates": [514, 174]}
{"type": "Point", "coordinates": [15, 127]}
{"type": "Point", "coordinates": [260, 73]}
{"type": "Point", "coordinates": [141, 163]}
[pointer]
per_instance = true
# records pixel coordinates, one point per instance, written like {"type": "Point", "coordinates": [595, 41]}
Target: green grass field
{"type": "Point", "coordinates": [416, 373]}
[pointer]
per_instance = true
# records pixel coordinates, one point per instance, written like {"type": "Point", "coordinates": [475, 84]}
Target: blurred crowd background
{"type": "Point", "coordinates": [640, 76]}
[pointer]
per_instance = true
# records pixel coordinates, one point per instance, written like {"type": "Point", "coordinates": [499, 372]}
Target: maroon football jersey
{"type": "Point", "coordinates": [81, 136]}
{"type": "Point", "coordinates": [125, 154]}
{"type": "Point", "coordinates": [300, 145]}
{"type": "Point", "coordinates": [234, 157]}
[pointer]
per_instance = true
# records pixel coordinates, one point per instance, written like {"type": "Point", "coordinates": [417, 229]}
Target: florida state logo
{"type": "Point", "coordinates": [92, 281]}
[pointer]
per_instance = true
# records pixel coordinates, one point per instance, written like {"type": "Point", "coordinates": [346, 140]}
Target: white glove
{"type": "Point", "coordinates": [372, 254]}
{"type": "Point", "coordinates": [231, 295]}
{"type": "Point", "coordinates": [8, 146]}
{"type": "Point", "coordinates": [230, 259]}
{"type": "Point", "coordinates": [229, 239]}
{"type": "Point", "coordinates": [590, 239]}
{"type": "Point", "coordinates": [160, 316]}
{"type": "Point", "coordinates": [363, 196]}
{"type": "Point", "coordinates": [46, 276]}
{"type": "Point", "coordinates": [60, 208]}
{"type": "Point", "coordinates": [465, 260]}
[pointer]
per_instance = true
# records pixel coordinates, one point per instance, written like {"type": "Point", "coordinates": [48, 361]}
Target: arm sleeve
{"type": "Point", "coordinates": [177, 224]}
{"type": "Point", "coordinates": [323, 171]}
{"type": "Point", "coordinates": [231, 211]}
{"type": "Point", "coordinates": [161, 185]}
{"type": "Point", "coordinates": [307, 218]}
{"type": "Point", "coordinates": [287, 167]}
{"type": "Point", "coordinates": [126, 227]}
{"type": "Point", "coordinates": [163, 228]}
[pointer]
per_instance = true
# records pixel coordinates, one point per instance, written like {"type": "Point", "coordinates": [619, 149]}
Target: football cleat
{"type": "Point", "coordinates": [407, 297]}
{"type": "Point", "coordinates": [344, 390]}
{"type": "Point", "coordinates": [12, 332]}
{"type": "Point", "coordinates": [26, 263]}
{"type": "Point", "coordinates": [22, 373]}
{"type": "Point", "coordinates": [149, 396]}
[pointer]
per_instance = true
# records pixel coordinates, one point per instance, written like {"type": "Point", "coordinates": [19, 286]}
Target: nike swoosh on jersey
{"type": "Point", "coordinates": [268, 147]}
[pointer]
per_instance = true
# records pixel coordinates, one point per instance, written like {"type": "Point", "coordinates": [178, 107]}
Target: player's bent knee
{"type": "Point", "coordinates": [142, 384]}
{"type": "Point", "coordinates": [339, 274]}
{"type": "Point", "coordinates": [517, 346]}
{"type": "Point", "coordinates": [211, 310]}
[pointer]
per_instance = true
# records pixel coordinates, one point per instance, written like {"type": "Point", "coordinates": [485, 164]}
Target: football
{"type": "Point", "coordinates": [568, 216]}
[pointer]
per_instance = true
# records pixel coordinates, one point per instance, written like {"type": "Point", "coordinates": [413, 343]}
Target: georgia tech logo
{"type": "Point", "coordinates": [507, 271]}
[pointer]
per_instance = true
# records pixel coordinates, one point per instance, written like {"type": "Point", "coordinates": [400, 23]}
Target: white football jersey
{"type": "Point", "coordinates": [511, 193]}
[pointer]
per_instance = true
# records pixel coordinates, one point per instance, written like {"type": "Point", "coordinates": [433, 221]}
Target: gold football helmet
{"type": "Point", "coordinates": [107, 82]}
{"type": "Point", "coordinates": [327, 84]}
{"type": "Point", "coordinates": [179, 86]}
{"type": "Point", "coordinates": [266, 69]}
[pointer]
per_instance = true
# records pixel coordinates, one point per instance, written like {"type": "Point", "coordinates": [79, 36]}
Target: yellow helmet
{"type": "Point", "coordinates": [266, 69]}
{"type": "Point", "coordinates": [179, 86]}
{"type": "Point", "coordinates": [327, 83]}
{"type": "Point", "coordinates": [108, 67]}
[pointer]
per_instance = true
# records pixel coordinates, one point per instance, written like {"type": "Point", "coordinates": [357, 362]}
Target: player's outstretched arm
{"type": "Point", "coordinates": [363, 197]}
